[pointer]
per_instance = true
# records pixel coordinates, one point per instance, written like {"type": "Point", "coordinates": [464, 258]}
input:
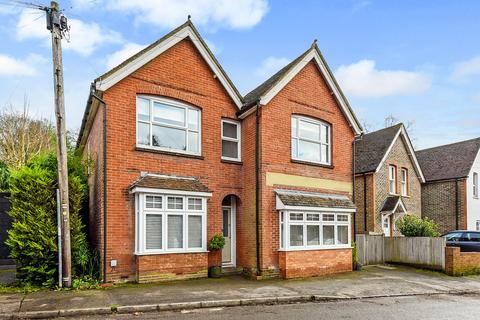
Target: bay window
{"type": "Point", "coordinates": [311, 140]}
{"type": "Point", "coordinates": [314, 230]}
{"type": "Point", "coordinates": [168, 125]}
{"type": "Point", "coordinates": [170, 223]}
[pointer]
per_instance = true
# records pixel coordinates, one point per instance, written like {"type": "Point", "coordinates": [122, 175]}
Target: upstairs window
{"type": "Point", "coordinates": [392, 179]}
{"type": "Point", "coordinates": [311, 140]}
{"type": "Point", "coordinates": [168, 125]}
{"type": "Point", "coordinates": [475, 184]}
{"type": "Point", "coordinates": [231, 147]}
{"type": "Point", "coordinates": [404, 182]}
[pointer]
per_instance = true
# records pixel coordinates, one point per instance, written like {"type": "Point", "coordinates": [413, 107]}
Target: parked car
{"type": "Point", "coordinates": [468, 241]}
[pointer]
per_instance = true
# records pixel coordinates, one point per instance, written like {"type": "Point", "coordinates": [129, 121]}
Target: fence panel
{"type": "Point", "coordinates": [419, 251]}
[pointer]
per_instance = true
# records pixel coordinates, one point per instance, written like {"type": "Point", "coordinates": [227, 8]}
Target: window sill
{"type": "Point", "coordinates": [406, 196]}
{"type": "Point", "coordinates": [168, 252]}
{"type": "Point", "coordinates": [328, 166]}
{"type": "Point", "coordinates": [316, 248]}
{"type": "Point", "coordinates": [239, 162]}
{"type": "Point", "coordinates": [170, 153]}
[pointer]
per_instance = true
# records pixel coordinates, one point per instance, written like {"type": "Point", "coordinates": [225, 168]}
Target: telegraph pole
{"type": "Point", "coordinates": [57, 24]}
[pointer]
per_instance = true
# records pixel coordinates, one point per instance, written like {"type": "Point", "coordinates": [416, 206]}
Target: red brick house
{"type": "Point", "coordinates": [179, 155]}
{"type": "Point", "coordinates": [388, 180]}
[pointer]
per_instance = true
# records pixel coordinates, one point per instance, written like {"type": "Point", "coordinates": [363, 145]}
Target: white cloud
{"type": "Point", "coordinates": [363, 80]}
{"type": "Point", "coordinates": [10, 66]}
{"type": "Point", "coordinates": [84, 37]}
{"type": "Point", "coordinates": [270, 66]}
{"type": "Point", "coordinates": [466, 69]}
{"type": "Point", "coordinates": [128, 50]}
{"type": "Point", "coordinates": [237, 14]}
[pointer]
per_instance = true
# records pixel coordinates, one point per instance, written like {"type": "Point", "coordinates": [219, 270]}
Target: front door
{"type": "Point", "coordinates": [386, 226]}
{"type": "Point", "coordinates": [227, 252]}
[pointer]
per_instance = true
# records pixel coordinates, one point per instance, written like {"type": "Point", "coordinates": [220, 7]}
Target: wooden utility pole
{"type": "Point", "coordinates": [57, 24]}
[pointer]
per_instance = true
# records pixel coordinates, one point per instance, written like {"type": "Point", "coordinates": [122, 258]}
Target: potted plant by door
{"type": "Point", "coordinates": [216, 244]}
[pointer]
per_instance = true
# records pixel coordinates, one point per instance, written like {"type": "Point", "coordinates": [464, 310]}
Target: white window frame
{"type": "Point", "coordinates": [475, 185]}
{"type": "Point", "coordinates": [392, 179]}
{"type": "Point", "coordinates": [237, 140]}
{"type": "Point", "coordinates": [296, 136]}
{"type": "Point", "coordinates": [151, 122]}
{"type": "Point", "coordinates": [404, 181]}
{"type": "Point", "coordinates": [140, 223]}
{"type": "Point", "coordinates": [284, 220]}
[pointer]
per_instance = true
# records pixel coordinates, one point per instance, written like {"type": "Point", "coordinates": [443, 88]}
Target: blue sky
{"type": "Point", "coordinates": [416, 60]}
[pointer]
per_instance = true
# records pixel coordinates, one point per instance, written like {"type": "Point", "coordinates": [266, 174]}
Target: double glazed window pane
{"type": "Point", "coordinates": [175, 231]}
{"type": "Point", "coordinates": [229, 149]}
{"type": "Point", "coordinates": [193, 120]}
{"type": "Point", "coordinates": [310, 131]}
{"type": "Point", "coordinates": [154, 202]}
{"type": "Point", "coordinates": [194, 204]}
{"type": "Point", "coordinates": [153, 224]}
{"type": "Point", "coordinates": [296, 235]}
{"type": "Point", "coordinates": [143, 109]}
{"type": "Point", "coordinates": [194, 231]}
{"type": "Point", "coordinates": [342, 234]}
{"type": "Point", "coordinates": [143, 133]}
{"type": "Point", "coordinates": [313, 235]}
{"type": "Point", "coordinates": [175, 203]}
{"type": "Point", "coordinates": [309, 151]}
{"type": "Point", "coordinates": [168, 138]}
{"type": "Point", "coordinates": [328, 235]}
{"type": "Point", "coordinates": [230, 130]}
{"type": "Point", "coordinates": [168, 114]}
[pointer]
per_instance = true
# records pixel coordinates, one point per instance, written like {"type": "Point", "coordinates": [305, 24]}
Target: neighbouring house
{"type": "Point", "coordinates": [450, 195]}
{"type": "Point", "coordinates": [388, 180]}
{"type": "Point", "coordinates": [179, 155]}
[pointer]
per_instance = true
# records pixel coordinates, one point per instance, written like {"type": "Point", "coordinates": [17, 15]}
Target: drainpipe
{"type": "Point", "coordinates": [456, 205]}
{"type": "Point", "coordinates": [354, 144]}
{"type": "Point", "coordinates": [365, 203]}
{"type": "Point", "coordinates": [104, 183]}
{"type": "Point", "coordinates": [257, 183]}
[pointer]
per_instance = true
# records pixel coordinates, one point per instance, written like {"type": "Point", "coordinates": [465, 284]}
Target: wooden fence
{"type": "Point", "coordinates": [419, 251]}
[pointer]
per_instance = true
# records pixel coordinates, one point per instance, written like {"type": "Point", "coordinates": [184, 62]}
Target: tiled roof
{"type": "Point", "coordinates": [320, 200]}
{"type": "Point", "coordinates": [449, 161]}
{"type": "Point", "coordinates": [170, 183]}
{"type": "Point", "coordinates": [390, 203]}
{"type": "Point", "coordinates": [256, 93]}
{"type": "Point", "coordinates": [370, 150]}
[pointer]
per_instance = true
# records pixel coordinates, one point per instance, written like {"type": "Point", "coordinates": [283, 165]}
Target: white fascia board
{"type": "Point", "coordinates": [134, 65]}
{"type": "Point", "coordinates": [313, 54]}
{"type": "Point", "coordinates": [388, 151]}
{"type": "Point", "coordinates": [413, 156]}
{"type": "Point", "coordinates": [169, 191]}
{"type": "Point", "coordinates": [280, 206]}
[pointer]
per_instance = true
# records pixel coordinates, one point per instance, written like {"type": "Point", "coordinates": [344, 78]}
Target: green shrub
{"type": "Point", "coordinates": [4, 175]}
{"type": "Point", "coordinates": [413, 226]}
{"type": "Point", "coordinates": [33, 237]}
{"type": "Point", "coordinates": [217, 242]}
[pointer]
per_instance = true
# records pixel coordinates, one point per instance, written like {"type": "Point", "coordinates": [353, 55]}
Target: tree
{"type": "Point", "coordinates": [4, 175]}
{"type": "Point", "coordinates": [413, 226]}
{"type": "Point", "coordinates": [22, 137]}
{"type": "Point", "coordinates": [32, 238]}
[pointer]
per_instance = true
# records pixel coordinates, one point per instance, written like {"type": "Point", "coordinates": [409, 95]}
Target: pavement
{"type": "Point", "coordinates": [371, 282]}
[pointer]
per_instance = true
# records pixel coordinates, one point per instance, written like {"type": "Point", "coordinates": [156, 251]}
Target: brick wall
{"type": "Point", "coordinates": [165, 267]}
{"type": "Point", "coordinates": [306, 94]}
{"type": "Point", "coordinates": [300, 264]}
{"type": "Point", "coordinates": [461, 263]}
{"type": "Point", "coordinates": [360, 182]}
{"type": "Point", "coordinates": [438, 204]}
